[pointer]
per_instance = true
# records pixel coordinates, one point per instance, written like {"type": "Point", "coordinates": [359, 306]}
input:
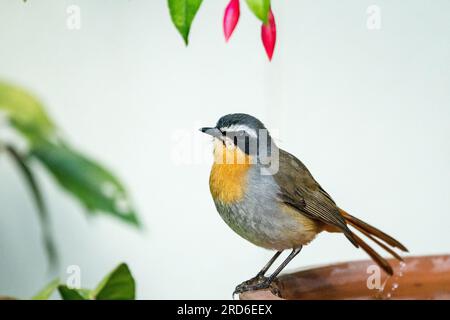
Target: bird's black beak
{"type": "Point", "coordinates": [212, 131]}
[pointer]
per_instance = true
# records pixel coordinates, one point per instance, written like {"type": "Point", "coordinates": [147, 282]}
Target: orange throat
{"type": "Point", "coordinates": [228, 179]}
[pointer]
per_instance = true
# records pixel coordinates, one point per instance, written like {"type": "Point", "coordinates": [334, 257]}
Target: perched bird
{"type": "Point", "coordinates": [268, 197]}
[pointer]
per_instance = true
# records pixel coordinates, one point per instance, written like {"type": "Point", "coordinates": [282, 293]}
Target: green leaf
{"type": "Point", "coordinates": [45, 293]}
{"type": "Point", "coordinates": [182, 13]}
{"type": "Point", "coordinates": [260, 8]}
{"type": "Point", "coordinates": [90, 183]}
{"type": "Point", "coordinates": [86, 180]}
{"type": "Point", "coordinates": [73, 294]}
{"type": "Point", "coordinates": [25, 113]}
{"type": "Point", "coordinates": [38, 199]}
{"type": "Point", "coordinates": [118, 285]}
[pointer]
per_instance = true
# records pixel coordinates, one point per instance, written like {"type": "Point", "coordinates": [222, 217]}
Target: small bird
{"type": "Point", "coordinates": [268, 197]}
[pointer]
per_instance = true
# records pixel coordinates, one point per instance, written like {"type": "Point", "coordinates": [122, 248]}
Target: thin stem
{"type": "Point", "coordinates": [40, 204]}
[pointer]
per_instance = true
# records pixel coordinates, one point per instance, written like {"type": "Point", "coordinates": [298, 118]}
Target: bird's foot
{"type": "Point", "coordinates": [257, 283]}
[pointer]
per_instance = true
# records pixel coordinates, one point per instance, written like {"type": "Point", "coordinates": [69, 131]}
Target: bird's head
{"type": "Point", "coordinates": [240, 133]}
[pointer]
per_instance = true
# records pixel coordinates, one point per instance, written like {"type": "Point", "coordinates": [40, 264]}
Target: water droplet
{"type": "Point", "coordinates": [388, 296]}
{"type": "Point", "coordinates": [394, 286]}
{"type": "Point", "coordinates": [402, 265]}
{"type": "Point", "coordinates": [384, 285]}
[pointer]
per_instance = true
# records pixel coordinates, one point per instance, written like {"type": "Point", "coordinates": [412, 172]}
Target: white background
{"type": "Point", "coordinates": [367, 111]}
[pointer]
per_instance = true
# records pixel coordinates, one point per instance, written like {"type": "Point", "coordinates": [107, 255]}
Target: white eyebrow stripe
{"type": "Point", "coordinates": [240, 127]}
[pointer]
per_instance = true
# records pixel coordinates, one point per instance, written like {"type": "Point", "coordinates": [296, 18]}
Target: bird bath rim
{"type": "Point", "coordinates": [419, 277]}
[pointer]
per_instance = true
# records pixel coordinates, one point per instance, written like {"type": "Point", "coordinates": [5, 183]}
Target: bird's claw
{"type": "Point", "coordinates": [257, 283]}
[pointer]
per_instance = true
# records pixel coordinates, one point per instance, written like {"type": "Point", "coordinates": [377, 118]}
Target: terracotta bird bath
{"type": "Point", "coordinates": [425, 277]}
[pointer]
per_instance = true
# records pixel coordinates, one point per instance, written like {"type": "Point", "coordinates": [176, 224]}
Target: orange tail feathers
{"type": "Point", "coordinates": [376, 236]}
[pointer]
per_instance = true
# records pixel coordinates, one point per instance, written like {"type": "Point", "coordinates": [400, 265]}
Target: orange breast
{"type": "Point", "coordinates": [228, 178]}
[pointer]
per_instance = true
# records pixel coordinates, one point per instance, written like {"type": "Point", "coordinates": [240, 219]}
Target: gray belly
{"type": "Point", "coordinates": [262, 219]}
{"type": "Point", "coordinates": [265, 223]}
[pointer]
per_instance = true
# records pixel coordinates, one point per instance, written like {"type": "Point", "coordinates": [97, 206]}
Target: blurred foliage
{"type": "Point", "coordinates": [25, 113]}
{"type": "Point", "coordinates": [46, 292]}
{"type": "Point", "coordinates": [119, 284]}
{"type": "Point", "coordinates": [67, 293]}
{"type": "Point", "coordinates": [92, 184]}
{"type": "Point", "coordinates": [96, 188]}
{"type": "Point", "coordinates": [40, 204]}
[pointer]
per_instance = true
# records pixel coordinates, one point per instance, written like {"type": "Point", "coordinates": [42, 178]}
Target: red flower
{"type": "Point", "coordinates": [269, 35]}
{"type": "Point", "coordinates": [230, 18]}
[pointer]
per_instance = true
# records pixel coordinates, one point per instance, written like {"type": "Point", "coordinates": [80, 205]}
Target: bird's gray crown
{"type": "Point", "coordinates": [240, 121]}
